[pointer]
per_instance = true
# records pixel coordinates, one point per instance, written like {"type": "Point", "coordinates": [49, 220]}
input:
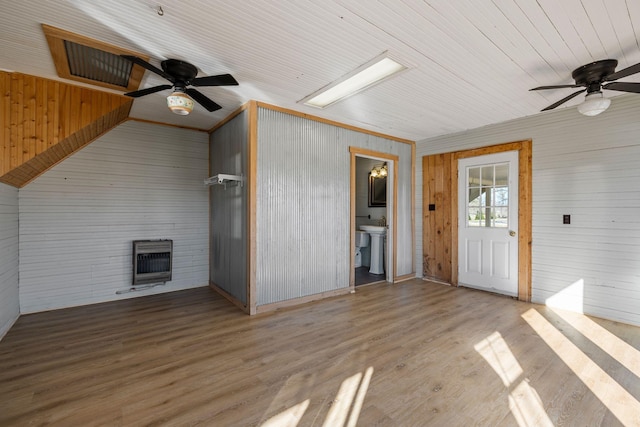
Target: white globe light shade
{"type": "Point", "coordinates": [594, 104]}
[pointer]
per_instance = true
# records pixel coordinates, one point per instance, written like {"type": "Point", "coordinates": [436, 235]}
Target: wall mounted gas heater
{"type": "Point", "coordinates": [152, 261]}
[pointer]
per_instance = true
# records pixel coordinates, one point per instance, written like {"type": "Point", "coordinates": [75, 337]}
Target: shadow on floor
{"type": "Point", "coordinates": [363, 277]}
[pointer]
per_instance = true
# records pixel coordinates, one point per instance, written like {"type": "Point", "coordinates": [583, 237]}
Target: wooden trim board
{"type": "Point", "coordinates": [252, 201]}
{"type": "Point", "coordinates": [332, 123]}
{"type": "Point", "coordinates": [302, 300]}
{"type": "Point", "coordinates": [235, 301]}
{"type": "Point", "coordinates": [229, 117]}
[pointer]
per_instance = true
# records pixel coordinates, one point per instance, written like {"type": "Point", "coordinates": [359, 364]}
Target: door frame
{"type": "Point", "coordinates": [487, 235]}
{"type": "Point", "coordinates": [524, 149]}
{"type": "Point", "coordinates": [394, 160]}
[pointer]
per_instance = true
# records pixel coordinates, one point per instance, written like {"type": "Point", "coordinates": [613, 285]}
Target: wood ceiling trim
{"type": "Point", "coordinates": [55, 39]}
{"type": "Point", "coordinates": [45, 121]}
{"type": "Point", "coordinates": [153, 122]}
{"type": "Point", "coordinates": [332, 122]}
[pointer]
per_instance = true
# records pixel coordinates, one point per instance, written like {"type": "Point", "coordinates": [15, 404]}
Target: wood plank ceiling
{"type": "Point", "coordinates": [44, 121]}
{"type": "Point", "coordinates": [471, 61]}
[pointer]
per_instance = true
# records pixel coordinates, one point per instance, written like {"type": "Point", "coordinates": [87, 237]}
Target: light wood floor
{"type": "Point", "coordinates": [410, 354]}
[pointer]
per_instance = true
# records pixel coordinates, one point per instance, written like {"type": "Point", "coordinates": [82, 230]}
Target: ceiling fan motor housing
{"type": "Point", "coordinates": [180, 70]}
{"type": "Point", "coordinates": [594, 73]}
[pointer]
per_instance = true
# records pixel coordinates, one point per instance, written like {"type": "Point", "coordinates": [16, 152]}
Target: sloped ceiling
{"type": "Point", "coordinates": [471, 61]}
{"type": "Point", "coordinates": [44, 121]}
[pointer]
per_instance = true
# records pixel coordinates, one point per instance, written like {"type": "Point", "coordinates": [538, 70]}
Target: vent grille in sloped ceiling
{"type": "Point", "coordinates": [87, 60]}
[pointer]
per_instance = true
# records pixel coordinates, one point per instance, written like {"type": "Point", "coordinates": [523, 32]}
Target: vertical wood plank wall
{"type": "Point", "coordinates": [436, 238]}
{"type": "Point", "coordinates": [9, 294]}
{"type": "Point", "coordinates": [77, 221]}
{"type": "Point", "coordinates": [44, 121]}
{"type": "Point", "coordinates": [585, 167]}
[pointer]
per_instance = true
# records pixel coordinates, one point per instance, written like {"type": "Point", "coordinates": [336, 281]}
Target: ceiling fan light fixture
{"type": "Point", "coordinates": [180, 103]}
{"type": "Point", "coordinates": [594, 104]}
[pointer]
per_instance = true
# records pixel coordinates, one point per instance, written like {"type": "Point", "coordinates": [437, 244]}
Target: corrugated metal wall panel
{"type": "Point", "coordinates": [303, 209]}
{"type": "Point", "coordinates": [9, 296]}
{"type": "Point", "coordinates": [77, 221]}
{"type": "Point", "coordinates": [585, 167]}
{"type": "Point", "coordinates": [228, 209]}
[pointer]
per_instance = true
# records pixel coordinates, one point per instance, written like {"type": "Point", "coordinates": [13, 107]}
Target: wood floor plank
{"type": "Point", "coordinates": [414, 353]}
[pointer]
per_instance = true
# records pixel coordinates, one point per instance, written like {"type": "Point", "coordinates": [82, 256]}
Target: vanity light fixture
{"type": "Point", "coordinates": [365, 76]}
{"type": "Point", "coordinates": [379, 171]}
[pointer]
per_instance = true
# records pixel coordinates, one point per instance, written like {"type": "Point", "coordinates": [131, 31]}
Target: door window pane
{"type": "Point", "coordinates": [502, 175]}
{"type": "Point", "coordinates": [500, 196]}
{"type": "Point", "coordinates": [488, 196]}
{"type": "Point", "coordinates": [473, 177]}
{"type": "Point", "coordinates": [499, 217]}
{"type": "Point", "coordinates": [487, 176]}
{"type": "Point", "coordinates": [475, 197]}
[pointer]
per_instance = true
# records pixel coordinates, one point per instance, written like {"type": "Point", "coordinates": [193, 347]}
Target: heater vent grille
{"type": "Point", "coordinates": [86, 60]}
{"type": "Point", "coordinates": [98, 65]}
{"type": "Point", "coordinates": [152, 261]}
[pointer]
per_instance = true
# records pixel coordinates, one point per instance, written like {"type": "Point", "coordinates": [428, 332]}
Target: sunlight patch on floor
{"type": "Point", "coordinates": [526, 406]}
{"type": "Point", "coordinates": [288, 418]}
{"type": "Point", "coordinates": [498, 355]}
{"type": "Point", "coordinates": [346, 407]}
{"type": "Point", "coordinates": [524, 402]}
{"type": "Point", "coordinates": [618, 400]}
{"type": "Point", "coordinates": [620, 350]}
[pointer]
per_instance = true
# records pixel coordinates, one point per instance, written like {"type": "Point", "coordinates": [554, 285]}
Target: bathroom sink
{"type": "Point", "coordinates": [377, 234]}
{"type": "Point", "coordinates": [373, 229]}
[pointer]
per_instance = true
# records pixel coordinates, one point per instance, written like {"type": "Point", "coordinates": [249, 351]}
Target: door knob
{"type": "Point", "coordinates": [512, 233]}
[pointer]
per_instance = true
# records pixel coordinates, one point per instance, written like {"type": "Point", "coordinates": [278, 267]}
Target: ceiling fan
{"type": "Point", "coordinates": [594, 78]}
{"type": "Point", "coordinates": [181, 74]}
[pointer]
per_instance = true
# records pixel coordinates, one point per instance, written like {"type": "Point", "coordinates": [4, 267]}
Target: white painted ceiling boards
{"type": "Point", "coordinates": [471, 62]}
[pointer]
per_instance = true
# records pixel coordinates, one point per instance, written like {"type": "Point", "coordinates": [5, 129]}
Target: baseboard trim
{"type": "Point", "coordinates": [404, 277]}
{"type": "Point", "coordinates": [302, 300]}
{"type": "Point", "coordinates": [235, 301]}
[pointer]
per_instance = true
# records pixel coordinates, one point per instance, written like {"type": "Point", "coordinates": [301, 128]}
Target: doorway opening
{"type": "Point", "coordinates": [373, 180]}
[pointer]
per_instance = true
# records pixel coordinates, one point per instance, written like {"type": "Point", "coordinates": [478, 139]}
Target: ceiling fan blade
{"type": "Point", "coordinates": [623, 87]}
{"type": "Point", "coordinates": [203, 100]}
{"type": "Point", "coordinates": [563, 100]}
{"type": "Point", "coordinates": [143, 92]}
{"type": "Point", "coordinates": [141, 62]}
{"type": "Point", "coordinates": [221, 80]}
{"type": "Point", "coordinates": [554, 87]}
{"type": "Point", "coordinates": [623, 73]}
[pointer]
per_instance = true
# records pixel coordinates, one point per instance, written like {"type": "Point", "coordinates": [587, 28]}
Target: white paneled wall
{"type": "Point", "coordinates": [586, 167]}
{"type": "Point", "coordinates": [77, 221]}
{"type": "Point", "coordinates": [9, 298]}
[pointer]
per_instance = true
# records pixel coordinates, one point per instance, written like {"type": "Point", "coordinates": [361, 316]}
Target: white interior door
{"type": "Point", "coordinates": [488, 222]}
